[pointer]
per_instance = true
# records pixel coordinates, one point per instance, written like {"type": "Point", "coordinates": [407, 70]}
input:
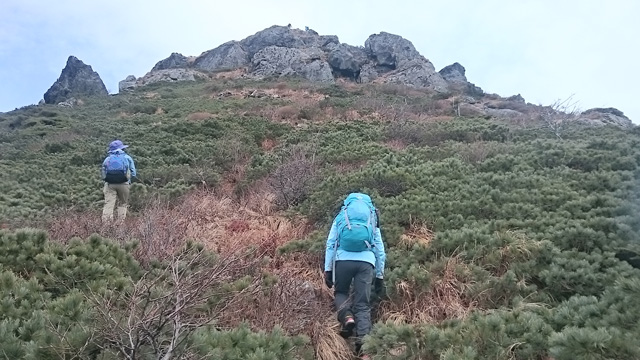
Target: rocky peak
{"type": "Point", "coordinates": [347, 60]}
{"type": "Point", "coordinates": [174, 61]}
{"type": "Point", "coordinates": [228, 56]}
{"type": "Point", "coordinates": [605, 116]}
{"type": "Point", "coordinates": [285, 51]}
{"type": "Point", "coordinates": [390, 50]}
{"type": "Point", "coordinates": [454, 73]}
{"type": "Point", "coordinates": [307, 63]}
{"type": "Point", "coordinates": [284, 36]}
{"type": "Point", "coordinates": [76, 80]}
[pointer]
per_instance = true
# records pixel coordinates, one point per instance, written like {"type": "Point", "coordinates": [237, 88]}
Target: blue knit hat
{"type": "Point", "coordinates": [117, 145]}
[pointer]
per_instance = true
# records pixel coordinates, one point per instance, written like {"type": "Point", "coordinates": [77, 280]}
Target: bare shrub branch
{"type": "Point", "coordinates": [293, 178]}
{"type": "Point", "coordinates": [157, 313]}
{"type": "Point", "coordinates": [559, 114]}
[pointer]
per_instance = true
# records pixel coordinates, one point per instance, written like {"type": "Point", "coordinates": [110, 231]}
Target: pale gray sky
{"type": "Point", "coordinates": [544, 50]}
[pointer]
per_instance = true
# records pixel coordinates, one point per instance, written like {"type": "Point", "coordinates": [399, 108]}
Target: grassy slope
{"type": "Point", "coordinates": [501, 236]}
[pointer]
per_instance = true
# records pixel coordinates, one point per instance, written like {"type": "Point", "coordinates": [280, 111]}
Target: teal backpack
{"type": "Point", "coordinates": [356, 223]}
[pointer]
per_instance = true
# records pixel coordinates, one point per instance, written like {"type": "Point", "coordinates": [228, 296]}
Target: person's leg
{"type": "Point", "coordinates": [361, 299]}
{"type": "Point", "coordinates": [123, 200]}
{"type": "Point", "coordinates": [344, 272]}
{"type": "Point", "coordinates": [110, 196]}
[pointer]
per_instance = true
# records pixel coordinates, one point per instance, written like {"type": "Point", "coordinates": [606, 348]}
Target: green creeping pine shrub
{"type": "Point", "coordinates": [47, 167]}
{"type": "Point", "coordinates": [84, 299]}
{"type": "Point", "coordinates": [242, 343]}
{"type": "Point", "coordinates": [541, 221]}
{"type": "Point", "coordinates": [534, 224]}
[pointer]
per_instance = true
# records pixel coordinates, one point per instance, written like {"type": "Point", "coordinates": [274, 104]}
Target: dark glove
{"type": "Point", "coordinates": [328, 278]}
{"type": "Point", "coordinates": [379, 288]}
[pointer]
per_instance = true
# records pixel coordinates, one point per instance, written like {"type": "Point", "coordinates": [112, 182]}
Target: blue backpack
{"type": "Point", "coordinates": [356, 223]}
{"type": "Point", "coordinates": [116, 168]}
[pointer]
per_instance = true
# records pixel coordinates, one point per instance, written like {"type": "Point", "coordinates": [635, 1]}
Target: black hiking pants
{"type": "Point", "coordinates": [360, 273]}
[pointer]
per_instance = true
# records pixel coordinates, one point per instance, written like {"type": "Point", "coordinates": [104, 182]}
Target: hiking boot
{"type": "Point", "coordinates": [348, 326]}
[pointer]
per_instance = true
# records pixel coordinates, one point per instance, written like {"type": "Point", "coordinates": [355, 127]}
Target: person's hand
{"type": "Point", "coordinates": [379, 288]}
{"type": "Point", "coordinates": [328, 279]}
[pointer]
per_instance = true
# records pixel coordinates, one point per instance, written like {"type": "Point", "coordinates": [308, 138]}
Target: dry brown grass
{"type": "Point", "coordinates": [395, 144]}
{"type": "Point", "coordinates": [287, 290]}
{"type": "Point", "coordinates": [287, 112]}
{"type": "Point", "coordinates": [445, 298]}
{"type": "Point", "coordinates": [268, 144]}
{"type": "Point", "coordinates": [230, 74]}
{"type": "Point", "coordinates": [418, 234]}
{"type": "Point", "coordinates": [478, 151]}
{"type": "Point", "coordinates": [199, 116]}
{"type": "Point", "coordinates": [298, 302]}
{"type": "Point", "coordinates": [518, 249]}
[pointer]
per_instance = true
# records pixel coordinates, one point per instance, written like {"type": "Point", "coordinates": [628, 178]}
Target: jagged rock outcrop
{"type": "Point", "coordinates": [605, 116]}
{"type": "Point", "coordinates": [417, 73]}
{"type": "Point", "coordinates": [516, 98]}
{"type": "Point", "coordinates": [174, 61]}
{"type": "Point", "coordinates": [283, 51]}
{"type": "Point", "coordinates": [283, 36]}
{"type": "Point", "coordinates": [228, 56]}
{"type": "Point", "coordinates": [281, 61]}
{"type": "Point", "coordinates": [129, 83]}
{"type": "Point", "coordinates": [454, 73]}
{"type": "Point", "coordinates": [394, 59]}
{"type": "Point", "coordinates": [76, 80]}
{"type": "Point", "coordinates": [169, 75]}
{"type": "Point", "coordinates": [346, 60]}
{"type": "Point", "coordinates": [390, 50]}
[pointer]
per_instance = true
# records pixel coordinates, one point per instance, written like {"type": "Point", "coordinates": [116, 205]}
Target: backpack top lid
{"type": "Point", "coordinates": [116, 161]}
{"type": "Point", "coordinates": [357, 196]}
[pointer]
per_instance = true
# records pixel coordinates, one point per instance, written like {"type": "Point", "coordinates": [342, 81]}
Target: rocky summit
{"type": "Point", "coordinates": [76, 79]}
{"type": "Point", "coordinates": [283, 51]}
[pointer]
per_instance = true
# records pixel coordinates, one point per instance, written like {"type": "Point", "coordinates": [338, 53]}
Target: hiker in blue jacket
{"type": "Point", "coordinates": [118, 169]}
{"type": "Point", "coordinates": [354, 253]}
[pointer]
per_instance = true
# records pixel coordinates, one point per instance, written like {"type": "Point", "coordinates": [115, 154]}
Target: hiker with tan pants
{"type": "Point", "coordinates": [118, 169]}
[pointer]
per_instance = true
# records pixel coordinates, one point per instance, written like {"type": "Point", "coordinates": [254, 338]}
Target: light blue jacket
{"type": "Point", "coordinates": [376, 256]}
{"type": "Point", "coordinates": [132, 165]}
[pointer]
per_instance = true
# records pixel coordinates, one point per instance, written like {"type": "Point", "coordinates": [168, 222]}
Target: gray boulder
{"type": "Point", "coordinates": [369, 72]}
{"type": "Point", "coordinates": [605, 116]}
{"type": "Point", "coordinates": [71, 102]}
{"type": "Point", "coordinates": [504, 113]}
{"type": "Point", "coordinates": [77, 79]}
{"type": "Point", "coordinates": [174, 61]}
{"type": "Point", "coordinates": [347, 60]}
{"type": "Point", "coordinates": [390, 50]}
{"type": "Point", "coordinates": [417, 73]}
{"type": "Point", "coordinates": [283, 36]}
{"type": "Point", "coordinates": [454, 73]}
{"type": "Point", "coordinates": [170, 75]}
{"type": "Point", "coordinates": [394, 59]}
{"type": "Point", "coordinates": [129, 83]}
{"type": "Point", "coordinates": [470, 110]}
{"type": "Point", "coordinates": [228, 56]}
{"type": "Point", "coordinates": [516, 98]}
{"type": "Point", "coordinates": [281, 61]}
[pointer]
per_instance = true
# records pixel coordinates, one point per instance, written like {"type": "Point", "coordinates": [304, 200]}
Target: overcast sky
{"type": "Point", "coordinates": [544, 50]}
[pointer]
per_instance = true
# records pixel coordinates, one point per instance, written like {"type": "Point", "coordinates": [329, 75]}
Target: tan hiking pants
{"type": "Point", "coordinates": [113, 192]}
